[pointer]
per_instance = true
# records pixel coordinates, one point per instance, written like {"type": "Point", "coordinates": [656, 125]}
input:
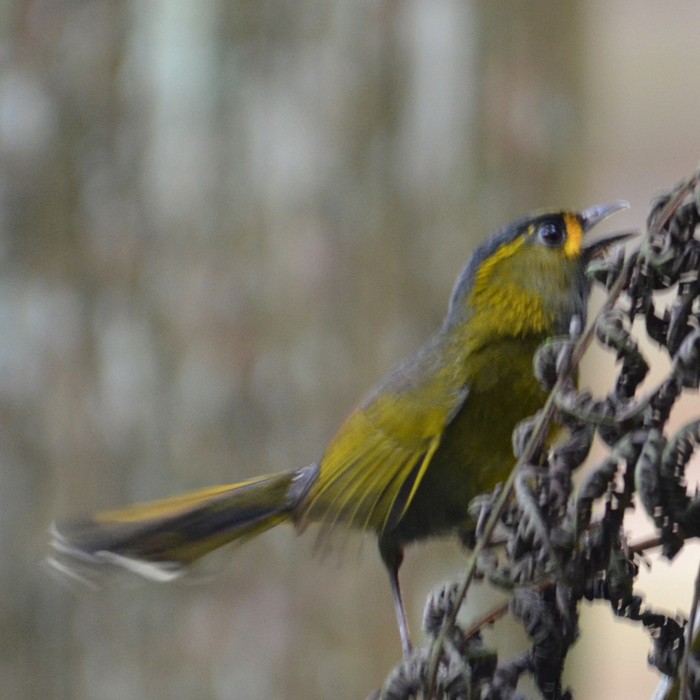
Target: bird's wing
{"type": "Point", "coordinates": [374, 465]}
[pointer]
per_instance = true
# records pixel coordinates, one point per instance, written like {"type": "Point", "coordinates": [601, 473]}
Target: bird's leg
{"type": "Point", "coordinates": [393, 556]}
{"type": "Point", "coordinates": [406, 645]}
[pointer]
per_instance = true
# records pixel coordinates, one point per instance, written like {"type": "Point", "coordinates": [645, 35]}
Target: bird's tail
{"type": "Point", "coordinates": [161, 538]}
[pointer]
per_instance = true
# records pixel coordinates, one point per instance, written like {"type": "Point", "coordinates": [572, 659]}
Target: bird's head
{"type": "Point", "coordinates": [529, 277]}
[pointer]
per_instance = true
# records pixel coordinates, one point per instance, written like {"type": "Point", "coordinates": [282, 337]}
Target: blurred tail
{"type": "Point", "coordinates": [159, 539]}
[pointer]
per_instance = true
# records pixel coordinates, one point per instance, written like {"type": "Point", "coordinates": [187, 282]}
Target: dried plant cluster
{"type": "Point", "coordinates": [560, 546]}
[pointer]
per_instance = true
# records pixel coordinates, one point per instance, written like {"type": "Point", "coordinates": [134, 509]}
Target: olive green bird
{"type": "Point", "coordinates": [432, 435]}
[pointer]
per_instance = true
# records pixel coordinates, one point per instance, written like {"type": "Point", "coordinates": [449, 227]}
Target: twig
{"type": "Point", "coordinates": [684, 669]}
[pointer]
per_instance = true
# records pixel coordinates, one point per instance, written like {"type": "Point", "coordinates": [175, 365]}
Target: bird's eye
{"type": "Point", "coordinates": [551, 234]}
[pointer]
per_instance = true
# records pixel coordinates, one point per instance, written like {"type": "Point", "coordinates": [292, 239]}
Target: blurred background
{"type": "Point", "coordinates": [220, 223]}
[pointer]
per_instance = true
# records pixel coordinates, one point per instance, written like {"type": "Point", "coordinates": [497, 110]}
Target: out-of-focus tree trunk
{"type": "Point", "coordinates": [530, 97]}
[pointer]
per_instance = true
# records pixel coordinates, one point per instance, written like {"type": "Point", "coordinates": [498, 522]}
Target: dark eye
{"type": "Point", "coordinates": [551, 234]}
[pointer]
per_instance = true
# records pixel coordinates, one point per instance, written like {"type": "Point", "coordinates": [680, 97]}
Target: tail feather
{"type": "Point", "coordinates": [161, 538]}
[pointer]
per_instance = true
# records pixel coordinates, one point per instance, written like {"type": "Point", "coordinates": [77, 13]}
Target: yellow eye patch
{"type": "Point", "coordinates": [574, 236]}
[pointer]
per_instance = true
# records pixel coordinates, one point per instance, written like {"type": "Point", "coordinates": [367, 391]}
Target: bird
{"type": "Point", "coordinates": [432, 435]}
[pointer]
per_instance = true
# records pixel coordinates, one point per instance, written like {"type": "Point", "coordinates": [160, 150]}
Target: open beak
{"type": "Point", "coordinates": [594, 215]}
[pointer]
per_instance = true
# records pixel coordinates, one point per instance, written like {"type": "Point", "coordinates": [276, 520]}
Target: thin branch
{"type": "Point", "coordinates": [684, 670]}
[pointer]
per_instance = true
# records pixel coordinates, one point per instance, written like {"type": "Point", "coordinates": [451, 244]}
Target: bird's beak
{"type": "Point", "coordinates": [594, 215]}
